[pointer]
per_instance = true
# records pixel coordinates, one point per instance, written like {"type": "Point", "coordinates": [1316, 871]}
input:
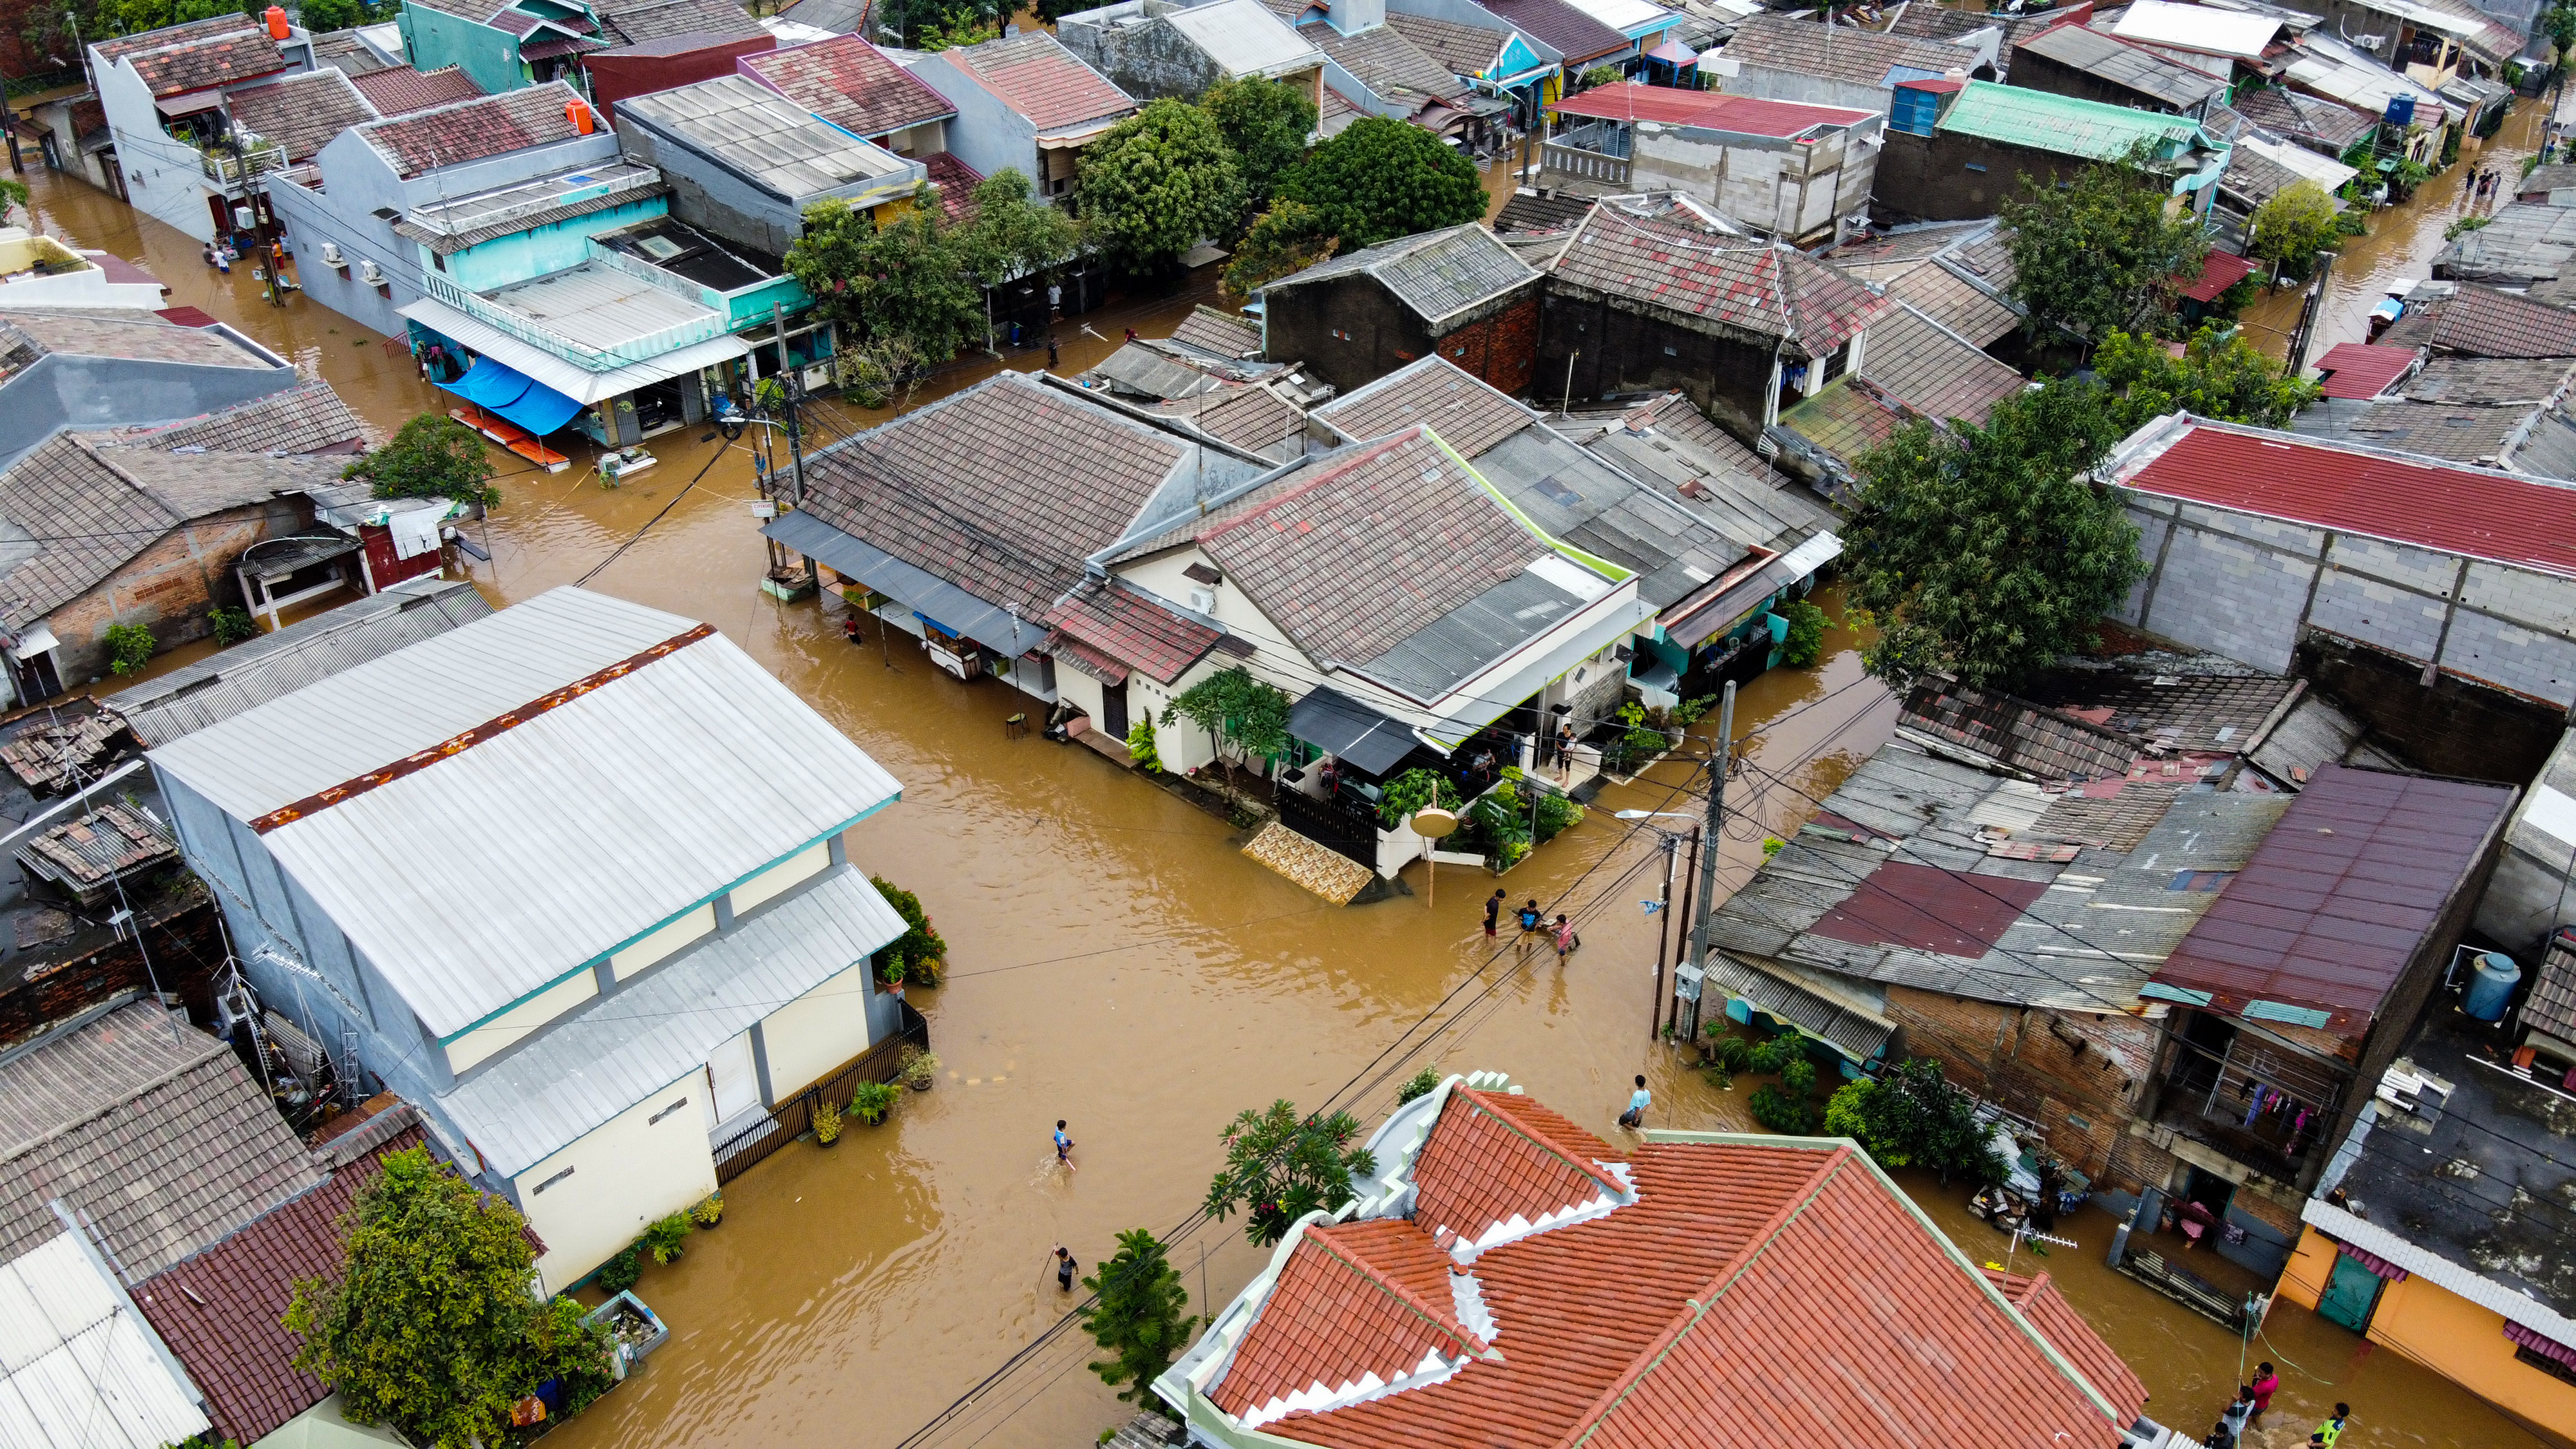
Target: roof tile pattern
{"type": "Point", "coordinates": [1036, 76]}
{"type": "Point", "coordinates": [182, 58]}
{"type": "Point", "coordinates": [2047, 1309]}
{"type": "Point", "coordinates": [473, 130]}
{"type": "Point", "coordinates": [1494, 1157]}
{"type": "Point", "coordinates": [2480, 321]}
{"type": "Point", "coordinates": [634, 22]}
{"type": "Point", "coordinates": [1212, 331]}
{"type": "Point", "coordinates": [1353, 1299]}
{"type": "Point", "coordinates": [1669, 259]}
{"type": "Point", "coordinates": [306, 418]}
{"type": "Point", "coordinates": [1381, 59]}
{"type": "Point", "coordinates": [849, 83]}
{"type": "Point", "coordinates": [2332, 125]}
{"type": "Point", "coordinates": [1118, 623]}
{"type": "Point", "coordinates": [1709, 110]}
{"type": "Point", "coordinates": [1465, 49]}
{"type": "Point", "coordinates": [93, 517]}
{"type": "Point", "coordinates": [1561, 27]}
{"type": "Point", "coordinates": [1934, 371]}
{"type": "Point", "coordinates": [1800, 46]}
{"type": "Point", "coordinates": [400, 90]}
{"type": "Point", "coordinates": [1438, 274]}
{"type": "Point", "coordinates": [2038, 742]}
{"type": "Point", "coordinates": [302, 113]}
{"type": "Point", "coordinates": [1251, 418]}
{"type": "Point", "coordinates": [126, 333]}
{"type": "Point", "coordinates": [1432, 393]}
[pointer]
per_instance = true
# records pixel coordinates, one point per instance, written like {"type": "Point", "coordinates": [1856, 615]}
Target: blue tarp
{"type": "Point", "coordinates": [514, 395]}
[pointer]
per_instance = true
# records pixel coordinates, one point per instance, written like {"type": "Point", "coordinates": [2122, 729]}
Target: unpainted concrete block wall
{"type": "Point", "coordinates": [169, 588]}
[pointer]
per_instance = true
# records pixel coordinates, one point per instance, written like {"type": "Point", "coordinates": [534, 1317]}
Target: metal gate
{"type": "Point", "coordinates": [1337, 828]}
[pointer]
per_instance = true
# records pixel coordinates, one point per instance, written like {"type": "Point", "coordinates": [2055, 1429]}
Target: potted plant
{"type": "Point", "coordinates": [709, 1211]}
{"type": "Point", "coordinates": [920, 1069]}
{"type": "Point", "coordinates": [871, 1101]}
{"type": "Point", "coordinates": [666, 1237]}
{"type": "Point", "coordinates": [894, 976]}
{"type": "Point", "coordinates": [827, 1124]}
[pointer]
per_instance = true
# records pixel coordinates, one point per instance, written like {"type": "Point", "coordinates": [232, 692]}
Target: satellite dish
{"type": "Point", "coordinates": [1431, 822]}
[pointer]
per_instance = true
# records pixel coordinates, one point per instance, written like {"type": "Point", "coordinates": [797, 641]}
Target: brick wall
{"type": "Point", "coordinates": [2078, 1075]}
{"type": "Point", "coordinates": [184, 942]}
{"type": "Point", "coordinates": [1501, 349]}
{"type": "Point", "coordinates": [169, 588]}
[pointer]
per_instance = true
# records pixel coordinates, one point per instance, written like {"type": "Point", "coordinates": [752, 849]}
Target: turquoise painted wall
{"type": "Point", "coordinates": [436, 38]}
{"type": "Point", "coordinates": [753, 306]}
{"type": "Point", "coordinates": [549, 248]}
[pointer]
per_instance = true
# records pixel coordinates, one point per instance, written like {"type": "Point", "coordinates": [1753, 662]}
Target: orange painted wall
{"type": "Point", "coordinates": [2303, 1281]}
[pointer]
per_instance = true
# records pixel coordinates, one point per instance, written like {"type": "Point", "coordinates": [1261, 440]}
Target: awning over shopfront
{"type": "Point", "coordinates": [500, 388]}
{"type": "Point", "coordinates": [1346, 729]}
{"type": "Point", "coordinates": [581, 385]}
{"type": "Point", "coordinates": [934, 598]}
{"type": "Point", "coordinates": [1711, 617]}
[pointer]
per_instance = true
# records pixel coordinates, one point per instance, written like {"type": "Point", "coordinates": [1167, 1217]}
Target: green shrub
{"type": "Point", "coordinates": [129, 648]}
{"type": "Point", "coordinates": [921, 947]}
{"type": "Point", "coordinates": [1556, 814]}
{"type": "Point", "coordinates": [1806, 642]}
{"type": "Point", "coordinates": [231, 626]}
{"type": "Point", "coordinates": [1732, 1053]}
{"type": "Point", "coordinates": [1140, 746]}
{"type": "Point", "coordinates": [1422, 1084]}
{"type": "Point", "coordinates": [827, 1122]}
{"type": "Point", "coordinates": [619, 1273]}
{"type": "Point", "coordinates": [709, 1210]}
{"type": "Point", "coordinates": [665, 1238]}
{"type": "Point", "coordinates": [1413, 790]}
{"type": "Point", "coordinates": [1772, 1056]}
{"type": "Point", "coordinates": [871, 1101]}
{"type": "Point", "coordinates": [1912, 1116]}
{"type": "Point", "coordinates": [1772, 845]}
{"type": "Point", "coordinates": [1782, 1113]}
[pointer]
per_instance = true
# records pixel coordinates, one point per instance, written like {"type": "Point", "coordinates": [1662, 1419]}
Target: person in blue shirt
{"type": "Point", "coordinates": [1638, 1101]}
{"type": "Point", "coordinates": [1063, 1148]}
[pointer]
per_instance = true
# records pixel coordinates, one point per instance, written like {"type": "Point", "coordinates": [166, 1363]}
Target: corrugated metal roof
{"type": "Point", "coordinates": [625, 1047]}
{"type": "Point", "coordinates": [632, 803]}
{"type": "Point", "coordinates": [2341, 896]}
{"type": "Point", "coordinates": [1707, 110]}
{"type": "Point", "coordinates": [78, 1367]}
{"type": "Point", "coordinates": [758, 135]}
{"type": "Point", "coordinates": [2044, 121]}
{"type": "Point", "coordinates": [2201, 28]}
{"type": "Point", "coordinates": [2142, 72]}
{"type": "Point", "coordinates": [1244, 38]}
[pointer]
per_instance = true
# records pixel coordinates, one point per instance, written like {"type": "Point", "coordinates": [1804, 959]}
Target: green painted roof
{"type": "Point", "coordinates": [2044, 121]}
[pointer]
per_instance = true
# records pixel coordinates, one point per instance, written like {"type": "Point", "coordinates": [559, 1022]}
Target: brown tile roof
{"type": "Point", "coordinates": [121, 333]}
{"type": "Point", "coordinates": [158, 1137]}
{"type": "Point", "coordinates": [1885, 256]}
{"type": "Point", "coordinates": [1315, 550]}
{"type": "Point", "coordinates": [1561, 27]}
{"type": "Point", "coordinates": [648, 20]}
{"type": "Point", "coordinates": [221, 1311]}
{"type": "Point", "coordinates": [849, 83]}
{"type": "Point", "coordinates": [956, 182]}
{"type": "Point", "coordinates": [2480, 321]}
{"type": "Point", "coordinates": [1465, 49]}
{"type": "Point", "coordinates": [2041, 743]}
{"type": "Point", "coordinates": [1932, 370]}
{"type": "Point", "coordinates": [93, 518]}
{"type": "Point", "coordinates": [1468, 415]}
{"type": "Point", "coordinates": [1948, 297]}
{"type": "Point", "coordinates": [2489, 381]}
{"type": "Point", "coordinates": [473, 130]}
{"type": "Point", "coordinates": [1532, 214]}
{"type": "Point", "coordinates": [1212, 331]}
{"type": "Point", "coordinates": [1251, 418]}
{"type": "Point", "coordinates": [1036, 76]}
{"type": "Point", "coordinates": [302, 113]}
{"type": "Point", "coordinates": [306, 418]}
{"type": "Point", "coordinates": [1114, 621]}
{"type": "Point", "coordinates": [400, 90]}
{"type": "Point", "coordinates": [1002, 490]}
{"type": "Point", "coordinates": [1746, 1292]}
{"type": "Point", "coordinates": [177, 59]}
{"type": "Point", "coordinates": [1802, 47]}
{"type": "Point", "coordinates": [1381, 59]}
{"type": "Point", "coordinates": [1664, 256]}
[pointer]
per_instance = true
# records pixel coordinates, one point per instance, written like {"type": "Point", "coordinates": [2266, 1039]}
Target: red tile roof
{"type": "Point", "coordinates": [956, 182]}
{"type": "Point", "coordinates": [1036, 76]}
{"type": "Point", "coordinates": [2218, 272]}
{"type": "Point", "coordinates": [1494, 1157]}
{"type": "Point", "coordinates": [399, 90]}
{"type": "Point", "coordinates": [849, 83]}
{"type": "Point", "coordinates": [177, 59]}
{"type": "Point", "coordinates": [1713, 110]}
{"type": "Point", "coordinates": [2363, 370]}
{"type": "Point", "coordinates": [2340, 897]}
{"type": "Point", "coordinates": [473, 130]}
{"type": "Point", "coordinates": [2456, 509]}
{"type": "Point", "coordinates": [1122, 625]}
{"type": "Point", "coordinates": [1752, 1293]}
{"type": "Point", "coordinates": [1668, 257]}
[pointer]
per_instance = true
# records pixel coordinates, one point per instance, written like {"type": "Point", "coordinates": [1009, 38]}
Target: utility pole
{"type": "Point", "coordinates": [1663, 935]}
{"type": "Point", "coordinates": [1710, 835]}
{"type": "Point", "coordinates": [1690, 878]}
{"type": "Point", "coordinates": [789, 384]}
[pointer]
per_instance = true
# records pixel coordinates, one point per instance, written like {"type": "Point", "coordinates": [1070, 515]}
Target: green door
{"type": "Point", "coordinates": [2350, 1294]}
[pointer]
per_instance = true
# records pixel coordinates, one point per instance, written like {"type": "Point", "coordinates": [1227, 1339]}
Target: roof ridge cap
{"type": "Point", "coordinates": [1448, 1323]}
{"type": "Point", "coordinates": [1483, 1100]}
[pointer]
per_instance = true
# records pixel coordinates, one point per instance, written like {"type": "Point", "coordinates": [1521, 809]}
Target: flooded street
{"type": "Point", "coordinates": [1116, 962]}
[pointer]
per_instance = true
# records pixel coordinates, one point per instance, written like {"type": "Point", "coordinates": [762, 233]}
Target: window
{"type": "Point", "coordinates": [2545, 1364]}
{"type": "Point", "coordinates": [438, 261]}
{"type": "Point", "coordinates": [567, 1172]}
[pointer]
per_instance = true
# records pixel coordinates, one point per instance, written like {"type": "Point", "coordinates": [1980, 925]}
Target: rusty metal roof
{"type": "Point", "coordinates": [2324, 919]}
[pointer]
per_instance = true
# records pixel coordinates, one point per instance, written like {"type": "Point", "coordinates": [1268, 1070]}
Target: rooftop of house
{"type": "Point", "coordinates": [2132, 68]}
{"type": "Point", "coordinates": [759, 136]}
{"type": "Point", "coordinates": [1048, 85]}
{"type": "Point", "coordinates": [306, 418]}
{"type": "Point", "coordinates": [2359, 370]}
{"type": "Point", "coordinates": [117, 332]}
{"type": "Point", "coordinates": [450, 226]}
{"type": "Point", "coordinates": [2323, 920]}
{"type": "Point", "coordinates": [1243, 38]}
{"type": "Point", "coordinates": [400, 90]}
{"type": "Point", "coordinates": [2498, 412]}
{"type": "Point", "coordinates": [956, 182]}
{"type": "Point", "coordinates": [267, 666]}
{"type": "Point", "coordinates": [1468, 50]}
{"type": "Point", "coordinates": [2480, 321]}
{"type": "Point", "coordinates": [1393, 68]}
{"type": "Point", "coordinates": [177, 59]}
{"type": "Point", "coordinates": [1800, 46]}
{"type": "Point", "coordinates": [474, 130]}
{"type": "Point", "coordinates": [1437, 274]}
{"type": "Point", "coordinates": [1663, 253]}
{"type": "Point", "coordinates": [1219, 333]}
{"type": "Point", "coordinates": [620, 721]}
{"type": "Point", "coordinates": [2329, 125]}
{"type": "Point", "coordinates": [147, 1127]}
{"type": "Point", "coordinates": [1966, 287]}
{"type": "Point", "coordinates": [344, 52]}
{"type": "Point", "coordinates": [1468, 414]}
{"type": "Point", "coordinates": [1710, 111]}
{"type": "Point", "coordinates": [302, 112]}
{"type": "Point", "coordinates": [1549, 213]}
{"type": "Point", "coordinates": [1560, 27]}
{"type": "Point", "coordinates": [849, 83]}
{"type": "Point", "coordinates": [2045, 121]}
{"type": "Point", "coordinates": [2354, 489]}
{"type": "Point", "coordinates": [1547, 1287]}
{"type": "Point", "coordinates": [1108, 620]}
{"type": "Point", "coordinates": [2327, 66]}
{"type": "Point", "coordinates": [81, 1373]}
{"type": "Point", "coordinates": [2206, 29]}
{"type": "Point", "coordinates": [1935, 372]}
{"type": "Point", "coordinates": [221, 1311]}
{"type": "Point", "coordinates": [2541, 182]}
{"type": "Point", "coordinates": [671, 245]}
{"type": "Point", "coordinates": [639, 22]}
{"type": "Point", "coordinates": [1667, 444]}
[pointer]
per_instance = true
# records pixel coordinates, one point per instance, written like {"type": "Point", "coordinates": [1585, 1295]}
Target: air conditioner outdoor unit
{"type": "Point", "coordinates": [371, 274]}
{"type": "Point", "coordinates": [331, 256]}
{"type": "Point", "coordinates": [1203, 600]}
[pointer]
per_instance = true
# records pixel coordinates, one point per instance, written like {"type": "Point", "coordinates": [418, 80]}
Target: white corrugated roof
{"type": "Point", "coordinates": [479, 879]}
{"type": "Point", "coordinates": [2203, 28]}
{"type": "Point", "coordinates": [78, 1368]}
{"type": "Point", "coordinates": [1244, 38]}
{"type": "Point", "coordinates": [1623, 15]}
{"type": "Point", "coordinates": [2325, 171]}
{"type": "Point", "coordinates": [575, 382]}
{"type": "Point", "coordinates": [620, 1049]}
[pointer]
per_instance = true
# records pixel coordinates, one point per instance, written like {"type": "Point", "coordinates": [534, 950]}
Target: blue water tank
{"type": "Point", "coordinates": [2491, 986]}
{"type": "Point", "coordinates": [2401, 111]}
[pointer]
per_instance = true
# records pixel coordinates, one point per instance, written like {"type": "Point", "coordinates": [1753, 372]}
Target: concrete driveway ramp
{"type": "Point", "coordinates": [1318, 868]}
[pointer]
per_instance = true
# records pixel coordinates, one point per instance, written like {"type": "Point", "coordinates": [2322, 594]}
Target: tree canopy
{"type": "Point", "coordinates": [2102, 251]}
{"type": "Point", "coordinates": [1267, 123]}
{"type": "Point", "coordinates": [1138, 1320]}
{"type": "Point", "coordinates": [1987, 552]}
{"type": "Point", "coordinates": [431, 457]}
{"type": "Point", "coordinates": [2219, 376]}
{"type": "Point", "coordinates": [1913, 1117]}
{"type": "Point", "coordinates": [1009, 232]}
{"type": "Point", "coordinates": [1158, 183]}
{"type": "Point", "coordinates": [910, 279]}
{"type": "Point", "coordinates": [1382, 178]}
{"type": "Point", "coordinates": [431, 1326]}
{"type": "Point", "coordinates": [1280, 1166]}
{"type": "Point", "coordinates": [2293, 226]}
{"type": "Point", "coordinates": [1288, 237]}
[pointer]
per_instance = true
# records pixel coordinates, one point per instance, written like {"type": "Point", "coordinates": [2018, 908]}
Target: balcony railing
{"type": "Point", "coordinates": [231, 167]}
{"type": "Point", "coordinates": [594, 359]}
{"type": "Point", "coordinates": [1586, 165]}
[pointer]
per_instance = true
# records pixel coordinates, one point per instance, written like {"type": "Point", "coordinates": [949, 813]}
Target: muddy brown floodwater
{"type": "Point", "coordinates": [1117, 963]}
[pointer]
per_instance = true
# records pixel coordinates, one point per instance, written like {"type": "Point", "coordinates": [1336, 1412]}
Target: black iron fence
{"type": "Point", "coordinates": [752, 1144]}
{"type": "Point", "coordinates": [2184, 1287]}
{"type": "Point", "coordinates": [1336, 827]}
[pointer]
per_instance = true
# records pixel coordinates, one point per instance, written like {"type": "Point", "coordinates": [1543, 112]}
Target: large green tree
{"type": "Point", "coordinates": [431, 457]}
{"type": "Point", "coordinates": [2295, 224]}
{"type": "Point", "coordinates": [1138, 1321]}
{"type": "Point", "coordinates": [431, 1327]}
{"type": "Point", "coordinates": [2102, 251]}
{"type": "Point", "coordinates": [1280, 1166]}
{"type": "Point", "coordinates": [2220, 375]}
{"type": "Point", "coordinates": [1288, 237]}
{"type": "Point", "coordinates": [1988, 552]}
{"type": "Point", "coordinates": [1010, 233]}
{"type": "Point", "coordinates": [1159, 183]}
{"type": "Point", "coordinates": [1912, 1116]}
{"type": "Point", "coordinates": [1381, 178]}
{"type": "Point", "coordinates": [1267, 124]}
{"type": "Point", "coordinates": [910, 278]}
{"type": "Point", "coordinates": [1235, 709]}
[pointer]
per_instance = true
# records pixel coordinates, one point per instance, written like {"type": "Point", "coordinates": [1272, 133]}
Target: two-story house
{"type": "Point", "coordinates": [163, 95]}
{"type": "Point", "coordinates": [574, 879]}
{"type": "Point", "coordinates": [1025, 103]}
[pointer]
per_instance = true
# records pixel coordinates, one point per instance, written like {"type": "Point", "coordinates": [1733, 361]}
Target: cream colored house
{"type": "Point", "coordinates": [572, 878]}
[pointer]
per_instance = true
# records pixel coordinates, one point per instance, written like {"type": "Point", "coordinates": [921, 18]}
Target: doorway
{"type": "Point", "coordinates": [1113, 710]}
{"type": "Point", "coordinates": [2209, 1190]}
{"type": "Point", "coordinates": [733, 1083]}
{"type": "Point", "coordinates": [2352, 1293]}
